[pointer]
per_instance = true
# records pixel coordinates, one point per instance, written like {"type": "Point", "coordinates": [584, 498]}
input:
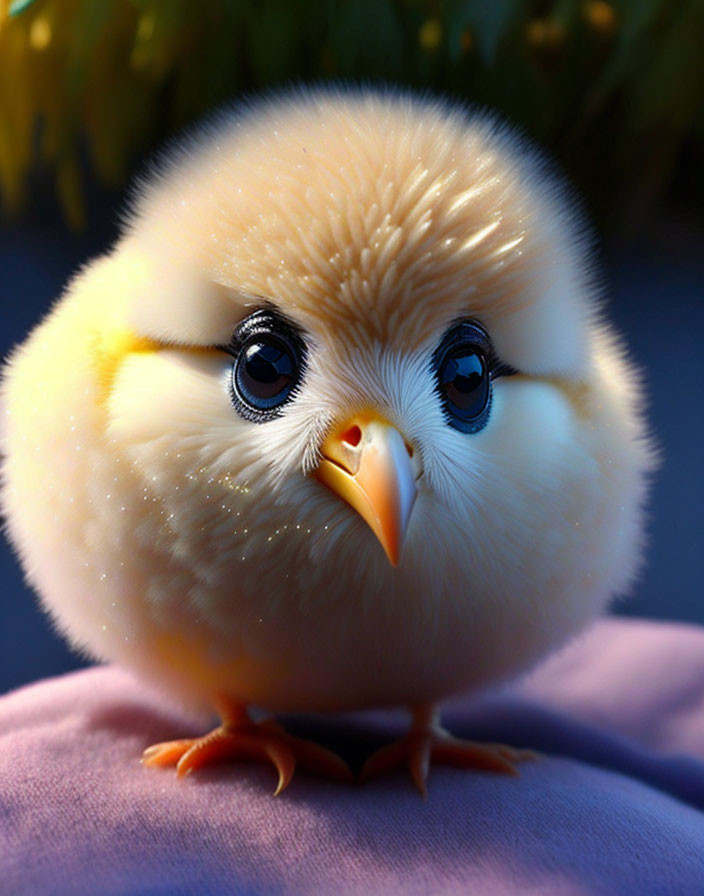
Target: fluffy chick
{"type": "Point", "coordinates": [334, 425]}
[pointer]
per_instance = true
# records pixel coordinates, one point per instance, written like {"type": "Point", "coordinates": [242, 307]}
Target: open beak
{"type": "Point", "coordinates": [369, 464]}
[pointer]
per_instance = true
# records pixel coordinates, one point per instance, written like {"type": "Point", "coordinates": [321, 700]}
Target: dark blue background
{"type": "Point", "coordinates": [656, 292]}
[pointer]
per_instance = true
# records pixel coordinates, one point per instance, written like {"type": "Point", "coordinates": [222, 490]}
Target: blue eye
{"type": "Point", "coordinates": [465, 365]}
{"type": "Point", "coordinates": [463, 381]}
{"type": "Point", "coordinates": [269, 356]}
{"type": "Point", "coordinates": [265, 373]}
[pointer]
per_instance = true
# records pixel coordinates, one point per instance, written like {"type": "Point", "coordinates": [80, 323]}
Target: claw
{"type": "Point", "coordinates": [240, 738]}
{"type": "Point", "coordinates": [283, 761]}
{"type": "Point", "coordinates": [428, 742]}
{"type": "Point", "coordinates": [166, 753]}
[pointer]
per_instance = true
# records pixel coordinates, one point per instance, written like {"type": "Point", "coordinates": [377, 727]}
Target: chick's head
{"type": "Point", "coordinates": [309, 277]}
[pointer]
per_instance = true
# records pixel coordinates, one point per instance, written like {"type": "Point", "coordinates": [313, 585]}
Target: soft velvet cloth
{"type": "Point", "coordinates": [615, 806]}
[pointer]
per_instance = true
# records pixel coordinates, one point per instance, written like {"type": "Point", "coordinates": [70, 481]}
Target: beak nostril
{"type": "Point", "coordinates": [352, 436]}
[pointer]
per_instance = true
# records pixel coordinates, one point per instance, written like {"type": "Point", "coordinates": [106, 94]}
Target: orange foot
{"type": "Point", "coordinates": [428, 740]}
{"type": "Point", "coordinates": [240, 738]}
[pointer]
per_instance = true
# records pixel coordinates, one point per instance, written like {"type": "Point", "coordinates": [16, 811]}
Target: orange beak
{"type": "Point", "coordinates": [369, 464]}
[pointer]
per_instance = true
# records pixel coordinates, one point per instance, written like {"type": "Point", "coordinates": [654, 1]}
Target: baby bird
{"type": "Point", "coordinates": [335, 425]}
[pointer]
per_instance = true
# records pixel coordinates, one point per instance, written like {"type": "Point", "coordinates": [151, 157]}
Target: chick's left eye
{"type": "Point", "coordinates": [463, 373]}
{"type": "Point", "coordinates": [465, 382]}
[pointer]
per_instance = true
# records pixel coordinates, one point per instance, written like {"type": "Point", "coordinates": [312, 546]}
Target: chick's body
{"type": "Point", "coordinates": [165, 531]}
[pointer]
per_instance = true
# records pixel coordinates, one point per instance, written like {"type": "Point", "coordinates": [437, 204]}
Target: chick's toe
{"type": "Point", "coordinates": [237, 738]}
{"type": "Point", "coordinates": [428, 741]}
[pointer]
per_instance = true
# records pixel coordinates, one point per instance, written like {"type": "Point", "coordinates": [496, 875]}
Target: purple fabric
{"type": "Point", "coordinates": [615, 807]}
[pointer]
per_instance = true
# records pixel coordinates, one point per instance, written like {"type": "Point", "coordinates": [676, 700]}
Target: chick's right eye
{"type": "Point", "coordinates": [269, 355]}
{"type": "Point", "coordinates": [264, 373]}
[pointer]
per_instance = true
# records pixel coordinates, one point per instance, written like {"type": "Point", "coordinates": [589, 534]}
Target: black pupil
{"type": "Point", "coordinates": [266, 369]}
{"type": "Point", "coordinates": [464, 380]}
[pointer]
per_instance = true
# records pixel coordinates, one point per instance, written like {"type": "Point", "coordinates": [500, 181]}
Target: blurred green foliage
{"type": "Point", "coordinates": [614, 88]}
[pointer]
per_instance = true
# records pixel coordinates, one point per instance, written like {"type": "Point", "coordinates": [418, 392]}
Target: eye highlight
{"type": "Point", "coordinates": [269, 358]}
{"type": "Point", "coordinates": [465, 365]}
